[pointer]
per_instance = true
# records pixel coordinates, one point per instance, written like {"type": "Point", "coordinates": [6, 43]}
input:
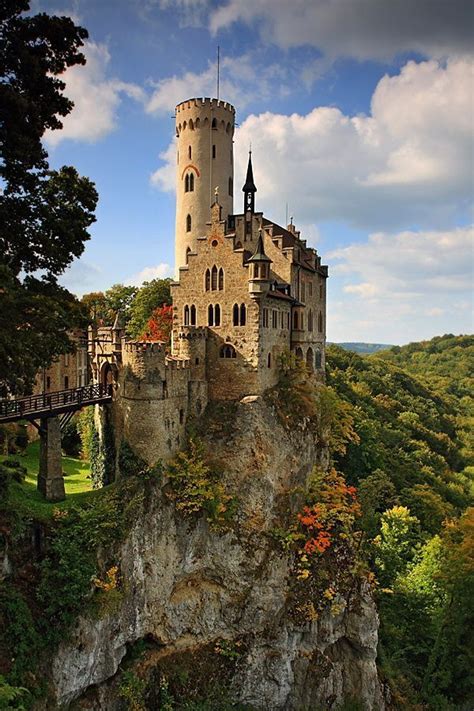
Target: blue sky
{"type": "Point", "coordinates": [360, 115]}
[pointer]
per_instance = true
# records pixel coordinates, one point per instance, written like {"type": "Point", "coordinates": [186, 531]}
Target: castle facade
{"type": "Point", "coordinates": [247, 290]}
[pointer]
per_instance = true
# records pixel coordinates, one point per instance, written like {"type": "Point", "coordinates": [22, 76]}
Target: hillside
{"type": "Point", "coordinates": [363, 348]}
{"type": "Point", "coordinates": [411, 469]}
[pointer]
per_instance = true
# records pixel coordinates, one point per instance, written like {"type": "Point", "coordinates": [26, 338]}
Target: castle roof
{"type": "Point", "coordinates": [259, 254]}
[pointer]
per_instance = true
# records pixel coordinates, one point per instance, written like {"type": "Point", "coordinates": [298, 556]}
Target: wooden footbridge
{"type": "Point", "coordinates": [49, 413]}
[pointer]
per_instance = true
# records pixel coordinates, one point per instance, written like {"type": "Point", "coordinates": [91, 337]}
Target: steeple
{"type": "Point", "coordinates": [249, 188]}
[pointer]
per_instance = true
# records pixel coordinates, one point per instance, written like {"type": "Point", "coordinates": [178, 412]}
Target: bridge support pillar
{"type": "Point", "coordinates": [50, 478]}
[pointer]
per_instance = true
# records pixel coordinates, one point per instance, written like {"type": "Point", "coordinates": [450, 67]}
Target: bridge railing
{"type": "Point", "coordinates": [58, 400]}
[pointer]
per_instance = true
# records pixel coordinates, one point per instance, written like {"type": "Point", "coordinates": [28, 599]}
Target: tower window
{"type": "Point", "coordinates": [188, 223]}
{"type": "Point", "coordinates": [210, 315]}
{"type": "Point", "coordinates": [310, 321]}
{"type": "Point", "coordinates": [214, 278]}
{"type": "Point", "coordinates": [274, 318]}
{"type": "Point", "coordinates": [66, 382]}
{"type": "Point", "coordinates": [186, 184]}
{"type": "Point", "coordinates": [214, 123]}
{"type": "Point", "coordinates": [235, 315]}
{"type": "Point", "coordinates": [269, 360]}
{"type": "Point", "coordinates": [318, 359]}
{"type": "Point", "coordinates": [193, 315]}
{"type": "Point", "coordinates": [217, 315]}
{"type": "Point", "coordinates": [188, 252]}
{"type": "Point", "coordinates": [186, 315]}
{"type": "Point", "coordinates": [213, 150]}
{"type": "Point", "coordinates": [221, 279]}
{"type": "Point", "coordinates": [191, 182]}
{"type": "Point", "coordinates": [190, 152]}
{"type": "Point", "coordinates": [320, 322]}
{"type": "Point", "coordinates": [242, 314]}
{"type": "Point", "coordinates": [239, 314]}
{"type": "Point", "coordinates": [295, 320]}
{"type": "Point", "coordinates": [208, 279]}
{"type": "Point", "coordinates": [231, 187]}
{"type": "Point", "coordinates": [227, 351]}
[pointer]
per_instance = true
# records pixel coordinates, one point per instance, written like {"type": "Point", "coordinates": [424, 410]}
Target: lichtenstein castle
{"type": "Point", "coordinates": [246, 291]}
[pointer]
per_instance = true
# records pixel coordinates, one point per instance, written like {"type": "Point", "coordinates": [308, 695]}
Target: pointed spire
{"type": "Point", "coordinates": [249, 188]}
{"type": "Point", "coordinates": [259, 254]}
{"type": "Point", "coordinates": [249, 183]}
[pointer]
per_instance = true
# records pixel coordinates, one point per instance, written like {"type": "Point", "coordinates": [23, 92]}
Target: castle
{"type": "Point", "coordinates": [246, 291]}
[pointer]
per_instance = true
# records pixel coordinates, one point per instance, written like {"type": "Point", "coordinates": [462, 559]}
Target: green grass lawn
{"type": "Point", "coordinates": [26, 498]}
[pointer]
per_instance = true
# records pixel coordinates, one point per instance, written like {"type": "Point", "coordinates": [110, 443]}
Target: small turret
{"type": "Point", "coordinates": [259, 263]}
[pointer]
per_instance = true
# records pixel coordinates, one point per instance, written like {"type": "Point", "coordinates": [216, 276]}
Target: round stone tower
{"type": "Point", "coordinates": [205, 129]}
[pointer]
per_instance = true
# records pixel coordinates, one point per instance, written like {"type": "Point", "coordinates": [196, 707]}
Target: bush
{"type": "Point", "coordinates": [71, 439]}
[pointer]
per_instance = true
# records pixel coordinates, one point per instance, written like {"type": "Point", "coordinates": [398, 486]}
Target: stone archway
{"type": "Point", "coordinates": [108, 374]}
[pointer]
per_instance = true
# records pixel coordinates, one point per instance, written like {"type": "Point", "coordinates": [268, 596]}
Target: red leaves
{"type": "Point", "coordinates": [159, 325]}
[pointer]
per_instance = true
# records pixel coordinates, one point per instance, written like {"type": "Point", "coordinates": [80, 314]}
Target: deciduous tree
{"type": "Point", "coordinates": [44, 214]}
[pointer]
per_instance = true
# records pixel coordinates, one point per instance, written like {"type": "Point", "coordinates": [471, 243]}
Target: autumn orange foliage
{"type": "Point", "coordinates": [159, 325]}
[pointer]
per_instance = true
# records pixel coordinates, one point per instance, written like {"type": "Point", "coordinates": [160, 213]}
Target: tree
{"type": "Point", "coordinates": [151, 295]}
{"type": "Point", "coordinates": [159, 325]}
{"type": "Point", "coordinates": [44, 214]}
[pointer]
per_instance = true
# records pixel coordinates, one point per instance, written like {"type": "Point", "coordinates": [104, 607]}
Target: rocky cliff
{"type": "Point", "coordinates": [214, 603]}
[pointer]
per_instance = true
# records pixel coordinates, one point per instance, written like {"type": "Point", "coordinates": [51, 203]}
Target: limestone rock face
{"type": "Point", "coordinates": [187, 586]}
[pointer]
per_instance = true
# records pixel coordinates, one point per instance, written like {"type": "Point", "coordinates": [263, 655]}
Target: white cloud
{"type": "Point", "coordinates": [366, 29]}
{"type": "Point", "coordinates": [160, 271]}
{"type": "Point", "coordinates": [96, 98]}
{"type": "Point", "coordinates": [237, 74]}
{"type": "Point", "coordinates": [394, 282]}
{"type": "Point", "coordinates": [408, 162]}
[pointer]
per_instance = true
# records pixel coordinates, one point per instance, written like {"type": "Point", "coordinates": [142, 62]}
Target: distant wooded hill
{"type": "Point", "coordinates": [363, 348]}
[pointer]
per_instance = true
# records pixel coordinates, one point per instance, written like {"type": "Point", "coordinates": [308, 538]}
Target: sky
{"type": "Point", "coordinates": [360, 118]}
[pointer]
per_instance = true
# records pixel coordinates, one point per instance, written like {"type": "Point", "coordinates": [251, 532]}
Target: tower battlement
{"type": "Point", "coordinates": [204, 103]}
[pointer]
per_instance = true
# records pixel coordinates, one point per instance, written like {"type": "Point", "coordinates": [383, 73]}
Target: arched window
{"type": "Point", "coordinates": [191, 182]}
{"type": "Point", "coordinates": [269, 360]}
{"type": "Point", "coordinates": [186, 184]}
{"type": "Point", "coordinates": [255, 271]}
{"type": "Point", "coordinates": [242, 314]}
{"type": "Point", "coordinates": [186, 315]}
{"type": "Point", "coordinates": [320, 322]}
{"type": "Point", "coordinates": [188, 252]}
{"type": "Point", "coordinates": [318, 359]}
{"type": "Point", "coordinates": [227, 351]}
{"type": "Point", "coordinates": [188, 223]}
{"type": "Point", "coordinates": [208, 279]}
{"type": "Point", "coordinates": [217, 315]}
{"type": "Point", "coordinates": [310, 359]}
{"type": "Point", "coordinates": [214, 278]}
{"type": "Point", "coordinates": [189, 152]}
{"type": "Point", "coordinates": [235, 315]}
{"type": "Point", "coordinates": [193, 315]}
{"type": "Point", "coordinates": [231, 187]}
{"type": "Point", "coordinates": [191, 124]}
{"type": "Point", "coordinates": [299, 353]}
{"type": "Point", "coordinates": [210, 315]}
{"type": "Point", "coordinates": [198, 122]}
{"type": "Point", "coordinates": [310, 321]}
{"type": "Point", "coordinates": [221, 279]}
{"type": "Point", "coordinates": [214, 123]}
{"type": "Point", "coordinates": [295, 320]}
{"type": "Point", "coordinates": [213, 150]}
